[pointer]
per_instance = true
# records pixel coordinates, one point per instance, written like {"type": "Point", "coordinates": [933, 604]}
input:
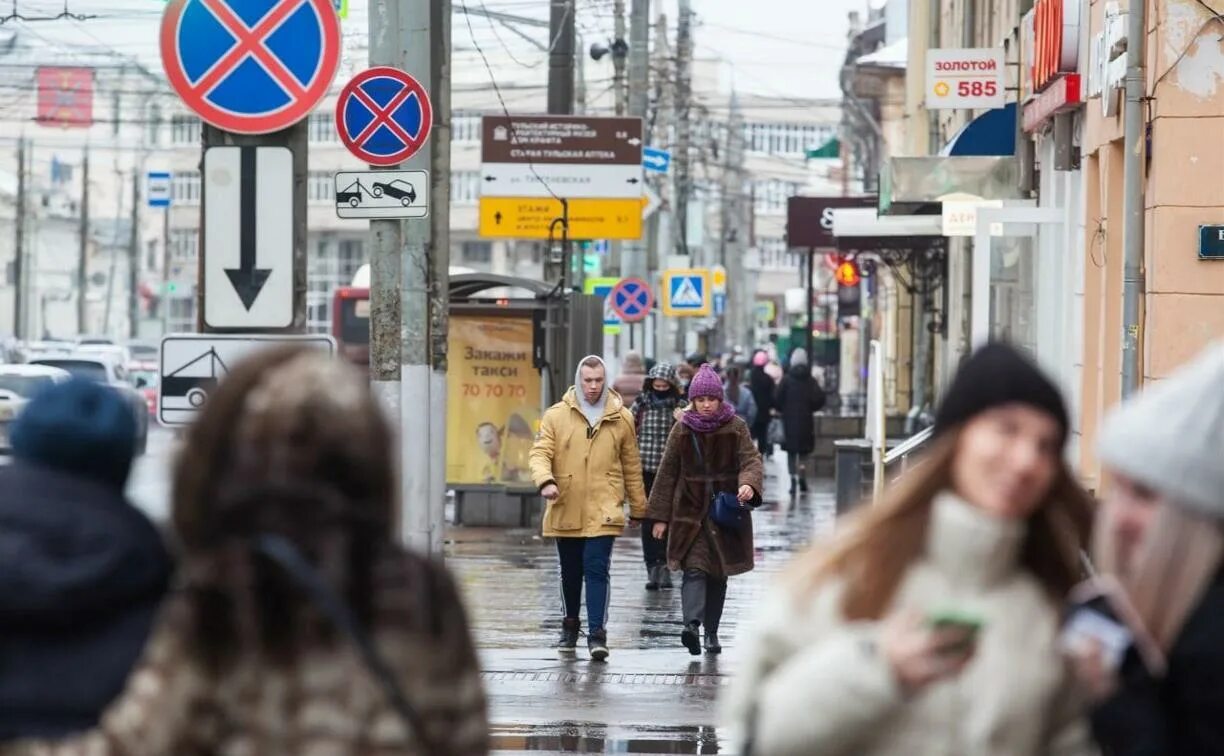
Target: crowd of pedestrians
{"type": "Point", "coordinates": [986, 604]}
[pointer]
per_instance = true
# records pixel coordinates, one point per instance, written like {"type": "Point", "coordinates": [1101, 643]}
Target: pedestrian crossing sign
{"type": "Point", "coordinates": [686, 292]}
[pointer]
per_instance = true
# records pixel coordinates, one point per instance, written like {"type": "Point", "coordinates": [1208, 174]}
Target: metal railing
{"type": "Point", "coordinates": [897, 460]}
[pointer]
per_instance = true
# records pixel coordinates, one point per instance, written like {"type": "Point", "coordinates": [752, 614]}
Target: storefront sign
{"type": "Point", "coordinates": [1107, 66]}
{"type": "Point", "coordinates": [960, 216]}
{"type": "Point", "coordinates": [809, 220]}
{"type": "Point", "coordinates": [966, 78]}
{"type": "Point", "coordinates": [494, 390]}
{"type": "Point", "coordinates": [1065, 93]}
{"type": "Point", "coordinates": [1211, 243]}
{"type": "Point", "coordinates": [1055, 40]}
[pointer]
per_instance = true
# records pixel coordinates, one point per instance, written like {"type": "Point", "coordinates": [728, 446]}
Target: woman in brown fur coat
{"type": "Point", "coordinates": [293, 456]}
{"type": "Point", "coordinates": [709, 451]}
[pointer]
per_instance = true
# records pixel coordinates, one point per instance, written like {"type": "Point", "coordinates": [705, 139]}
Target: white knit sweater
{"type": "Point", "coordinates": [813, 683]}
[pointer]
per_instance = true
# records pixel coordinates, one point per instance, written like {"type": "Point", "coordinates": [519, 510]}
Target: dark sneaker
{"type": "Point", "coordinates": [597, 644]}
{"type": "Point", "coordinates": [712, 645]}
{"type": "Point", "coordinates": [665, 578]}
{"type": "Point", "coordinates": [568, 643]}
{"type": "Point", "coordinates": [652, 578]}
{"type": "Point", "coordinates": [690, 638]}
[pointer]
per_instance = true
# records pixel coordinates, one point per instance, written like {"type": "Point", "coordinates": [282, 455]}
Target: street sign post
{"type": "Point", "coordinates": [654, 159]}
{"type": "Point", "coordinates": [193, 364]}
{"type": "Point", "coordinates": [602, 287]}
{"type": "Point", "coordinates": [384, 116]}
{"type": "Point", "coordinates": [157, 188]}
{"type": "Point", "coordinates": [248, 237]}
{"type": "Point", "coordinates": [686, 292]}
{"type": "Point", "coordinates": [631, 300]}
{"type": "Point", "coordinates": [382, 194]}
{"type": "Point", "coordinates": [249, 69]}
{"type": "Point", "coordinates": [525, 218]}
{"type": "Point", "coordinates": [529, 163]}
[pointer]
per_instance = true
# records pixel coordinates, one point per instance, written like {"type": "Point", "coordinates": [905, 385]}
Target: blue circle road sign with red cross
{"type": "Point", "coordinates": [384, 116]}
{"type": "Point", "coordinates": [631, 299]}
{"type": "Point", "coordinates": [251, 66]}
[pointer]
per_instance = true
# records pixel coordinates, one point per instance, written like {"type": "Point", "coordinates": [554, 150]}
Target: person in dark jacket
{"type": "Point", "coordinates": [654, 413]}
{"type": "Point", "coordinates": [1160, 536]}
{"type": "Point", "coordinates": [763, 388]}
{"type": "Point", "coordinates": [82, 571]}
{"type": "Point", "coordinates": [709, 451]}
{"type": "Point", "coordinates": [798, 397]}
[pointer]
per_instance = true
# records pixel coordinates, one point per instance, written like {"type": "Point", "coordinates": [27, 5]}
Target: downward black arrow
{"type": "Point", "coordinates": [247, 280]}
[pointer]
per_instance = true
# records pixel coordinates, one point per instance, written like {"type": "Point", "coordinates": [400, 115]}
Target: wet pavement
{"type": "Point", "coordinates": [651, 696]}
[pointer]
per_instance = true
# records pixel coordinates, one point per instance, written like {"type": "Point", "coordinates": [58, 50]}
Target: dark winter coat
{"type": "Point", "coordinates": [682, 492]}
{"type": "Point", "coordinates": [799, 397]}
{"type": "Point", "coordinates": [1183, 714]}
{"type": "Point", "coordinates": [763, 388]}
{"type": "Point", "coordinates": [82, 574]}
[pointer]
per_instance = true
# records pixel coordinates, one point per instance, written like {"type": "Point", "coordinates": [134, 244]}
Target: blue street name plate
{"type": "Point", "coordinates": [1211, 243]}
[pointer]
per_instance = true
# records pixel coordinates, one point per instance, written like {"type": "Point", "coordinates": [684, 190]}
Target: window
{"type": "Point", "coordinates": [785, 138]}
{"type": "Point", "coordinates": [320, 187]}
{"type": "Point", "coordinates": [770, 195]}
{"type": "Point", "coordinates": [321, 128]}
{"type": "Point", "coordinates": [184, 129]}
{"type": "Point", "coordinates": [478, 253]}
{"type": "Point", "coordinates": [465, 127]}
{"type": "Point", "coordinates": [465, 187]}
{"type": "Point", "coordinates": [776, 256]}
{"type": "Point", "coordinates": [185, 188]}
{"type": "Point", "coordinates": [184, 244]}
{"type": "Point", "coordinates": [153, 127]}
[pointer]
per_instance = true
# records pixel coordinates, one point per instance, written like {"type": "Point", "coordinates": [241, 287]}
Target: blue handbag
{"type": "Point", "coordinates": [725, 509]}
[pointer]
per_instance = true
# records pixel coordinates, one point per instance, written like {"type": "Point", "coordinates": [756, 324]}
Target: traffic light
{"type": "Point", "coordinates": [848, 299]}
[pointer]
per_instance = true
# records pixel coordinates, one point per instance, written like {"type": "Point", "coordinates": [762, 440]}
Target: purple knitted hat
{"type": "Point", "coordinates": [705, 383]}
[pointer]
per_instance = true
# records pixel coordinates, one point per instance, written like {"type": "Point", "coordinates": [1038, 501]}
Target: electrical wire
{"type": "Point", "coordinates": [1215, 16]}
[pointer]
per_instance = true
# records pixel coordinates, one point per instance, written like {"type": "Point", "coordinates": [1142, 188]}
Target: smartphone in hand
{"type": "Point", "coordinates": [962, 623]}
{"type": "Point", "coordinates": [1101, 613]}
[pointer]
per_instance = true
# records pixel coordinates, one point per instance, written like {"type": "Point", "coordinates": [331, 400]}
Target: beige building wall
{"type": "Point", "coordinates": [1184, 302]}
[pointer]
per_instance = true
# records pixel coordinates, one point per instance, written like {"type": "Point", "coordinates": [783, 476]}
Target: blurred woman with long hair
{"type": "Point", "coordinates": [930, 623]}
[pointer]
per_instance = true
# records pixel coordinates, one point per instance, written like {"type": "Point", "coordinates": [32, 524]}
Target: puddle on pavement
{"type": "Point", "coordinates": [594, 738]}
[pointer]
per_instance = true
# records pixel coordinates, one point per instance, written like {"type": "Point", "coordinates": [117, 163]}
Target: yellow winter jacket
{"type": "Point", "coordinates": [596, 469]}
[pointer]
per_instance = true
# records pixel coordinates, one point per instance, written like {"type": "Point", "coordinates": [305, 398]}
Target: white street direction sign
{"type": "Point", "coordinates": [569, 180]}
{"type": "Point", "coordinates": [157, 188]}
{"type": "Point", "coordinates": [382, 194]}
{"type": "Point", "coordinates": [652, 202]}
{"type": "Point", "coordinates": [192, 365]}
{"type": "Point", "coordinates": [248, 237]}
{"type": "Point", "coordinates": [966, 78]}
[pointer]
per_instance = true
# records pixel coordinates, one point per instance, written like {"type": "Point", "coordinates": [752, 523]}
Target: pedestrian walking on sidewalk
{"type": "Point", "coordinates": [585, 464]}
{"type": "Point", "coordinates": [655, 411]}
{"type": "Point", "coordinates": [82, 571]}
{"type": "Point", "coordinates": [709, 454]}
{"type": "Point", "coordinates": [1160, 536]}
{"type": "Point", "coordinates": [763, 388]}
{"type": "Point", "coordinates": [740, 396]}
{"type": "Point", "coordinates": [930, 623]}
{"type": "Point", "coordinates": [631, 379]}
{"type": "Point", "coordinates": [798, 398]}
{"type": "Point", "coordinates": [299, 625]}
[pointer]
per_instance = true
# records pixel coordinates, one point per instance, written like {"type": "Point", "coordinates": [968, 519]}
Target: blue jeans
{"type": "Point", "coordinates": [588, 559]}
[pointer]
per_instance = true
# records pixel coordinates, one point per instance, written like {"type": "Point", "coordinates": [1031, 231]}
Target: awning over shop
{"type": "Point", "coordinates": [991, 134]}
{"type": "Point", "coordinates": [865, 230]}
{"type": "Point", "coordinates": [914, 185]}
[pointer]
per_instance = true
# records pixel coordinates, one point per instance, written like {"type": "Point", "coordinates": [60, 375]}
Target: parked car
{"type": "Point", "coordinates": [18, 383]}
{"type": "Point", "coordinates": [103, 367]}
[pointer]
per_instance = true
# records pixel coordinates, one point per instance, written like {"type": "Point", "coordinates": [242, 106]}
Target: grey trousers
{"type": "Point", "coordinates": [702, 598]}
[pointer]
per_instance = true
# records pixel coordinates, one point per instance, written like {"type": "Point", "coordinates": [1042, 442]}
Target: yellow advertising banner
{"type": "Point", "coordinates": [493, 410]}
{"type": "Point", "coordinates": [527, 218]}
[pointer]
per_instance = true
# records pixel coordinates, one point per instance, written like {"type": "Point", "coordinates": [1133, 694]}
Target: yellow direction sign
{"type": "Point", "coordinates": [526, 218]}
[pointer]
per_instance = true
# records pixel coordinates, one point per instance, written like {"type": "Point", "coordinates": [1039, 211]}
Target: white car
{"type": "Point", "coordinates": [17, 384]}
{"type": "Point", "coordinates": [102, 367]}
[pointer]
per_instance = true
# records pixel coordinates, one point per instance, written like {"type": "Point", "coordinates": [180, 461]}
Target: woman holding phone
{"type": "Point", "coordinates": [930, 623]}
{"type": "Point", "coordinates": [1160, 537]}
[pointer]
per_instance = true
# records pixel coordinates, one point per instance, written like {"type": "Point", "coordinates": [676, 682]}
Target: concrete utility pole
{"type": "Point", "coordinates": [618, 60]}
{"type": "Point", "coordinates": [439, 213]}
{"type": "Point", "coordinates": [561, 33]}
{"type": "Point", "coordinates": [658, 133]}
{"type": "Point", "coordinates": [83, 257]}
{"type": "Point", "coordinates": [684, 94]}
{"type": "Point", "coordinates": [735, 231]}
{"type": "Point", "coordinates": [400, 282]}
{"type": "Point", "coordinates": [134, 258]}
{"type": "Point", "coordinates": [19, 244]}
{"type": "Point", "coordinates": [1132, 175]}
{"type": "Point", "coordinates": [633, 253]}
{"type": "Point", "coordinates": [295, 139]}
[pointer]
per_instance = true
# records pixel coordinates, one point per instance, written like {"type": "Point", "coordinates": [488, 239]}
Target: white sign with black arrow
{"type": "Point", "coordinates": [248, 237]}
{"type": "Point", "coordinates": [382, 194]}
{"type": "Point", "coordinates": [562, 180]}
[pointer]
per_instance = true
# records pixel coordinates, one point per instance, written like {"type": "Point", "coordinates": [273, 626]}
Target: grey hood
{"type": "Point", "coordinates": [592, 412]}
{"type": "Point", "coordinates": [1171, 435]}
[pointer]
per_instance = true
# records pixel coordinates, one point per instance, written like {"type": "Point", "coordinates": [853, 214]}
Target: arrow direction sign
{"type": "Point", "coordinates": [651, 202]}
{"type": "Point", "coordinates": [654, 159]}
{"type": "Point", "coordinates": [569, 181]}
{"type": "Point", "coordinates": [248, 237]}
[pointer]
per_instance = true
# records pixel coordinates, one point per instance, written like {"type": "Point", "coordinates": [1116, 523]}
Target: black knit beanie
{"type": "Point", "coordinates": [994, 375]}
